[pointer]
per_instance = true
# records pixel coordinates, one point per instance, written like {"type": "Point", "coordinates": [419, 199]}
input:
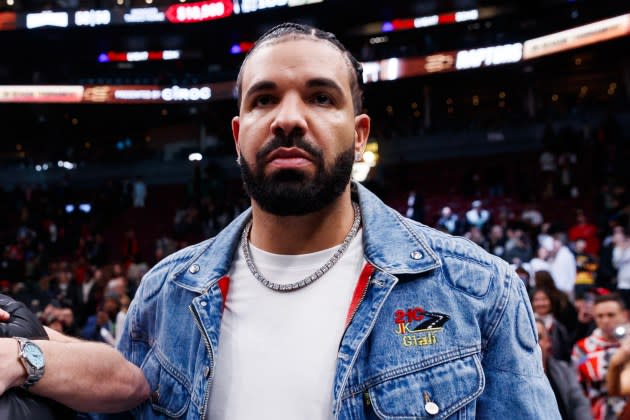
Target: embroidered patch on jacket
{"type": "Point", "coordinates": [418, 327]}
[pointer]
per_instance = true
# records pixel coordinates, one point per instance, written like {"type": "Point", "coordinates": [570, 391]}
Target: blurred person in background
{"type": "Point", "coordinates": [584, 303]}
{"type": "Point", "coordinates": [560, 339]}
{"type": "Point", "coordinates": [586, 264]}
{"type": "Point", "coordinates": [520, 250]}
{"type": "Point", "coordinates": [563, 309]}
{"type": "Point", "coordinates": [582, 229]}
{"type": "Point", "coordinates": [121, 316]}
{"type": "Point", "coordinates": [572, 403]}
{"type": "Point", "coordinates": [532, 215]}
{"type": "Point", "coordinates": [448, 221]}
{"type": "Point", "coordinates": [562, 263]}
{"type": "Point", "coordinates": [592, 355]}
{"type": "Point", "coordinates": [102, 326]}
{"type": "Point", "coordinates": [540, 262]}
{"type": "Point", "coordinates": [495, 244]}
{"type": "Point", "coordinates": [621, 261]}
{"type": "Point", "coordinates": [477, 216]}
{"type": "Point", "coordinates": [139, 192]}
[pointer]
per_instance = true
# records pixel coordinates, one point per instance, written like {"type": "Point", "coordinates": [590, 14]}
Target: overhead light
{"type": "Point", "coordinates": [195, 157]}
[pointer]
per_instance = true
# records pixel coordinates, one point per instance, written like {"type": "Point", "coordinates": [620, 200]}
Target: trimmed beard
{"type": "Point", "coordinates": [291, 192]}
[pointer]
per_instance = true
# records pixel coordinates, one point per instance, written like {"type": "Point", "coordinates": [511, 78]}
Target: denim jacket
{"type": "Point", "coordinates": [442, 329]}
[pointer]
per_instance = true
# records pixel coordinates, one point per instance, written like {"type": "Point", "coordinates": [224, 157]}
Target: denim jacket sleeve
{"type": "Point", "coordinates": [138, 331]}
{"type": "Point", "coordinates": [512, 361]}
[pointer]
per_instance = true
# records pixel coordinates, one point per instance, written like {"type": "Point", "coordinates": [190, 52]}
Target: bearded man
{"type": "Point", "coordinates": [320, 301]}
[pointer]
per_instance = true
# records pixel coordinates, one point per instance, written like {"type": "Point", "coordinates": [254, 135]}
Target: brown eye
{"type": "Point", "coordinates": [322, 99]}
{"type": "Point", "coordinates": [263, 100]}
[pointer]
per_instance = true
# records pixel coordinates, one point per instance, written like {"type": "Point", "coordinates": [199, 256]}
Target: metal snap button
{"type": "Point", "coordinates": [203, 304]}
{"type": "Point", "coordinates": [432, 408]}
{"type": "Point", "coordinates": [416, 255]}
{"type": "Point", "coordinates": [194, 268]}
{"type": "Point", "coordinates": [429, 406]}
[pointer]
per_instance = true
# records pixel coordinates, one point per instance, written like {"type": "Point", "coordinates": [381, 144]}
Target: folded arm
{"type": "Point", "coordinates": [85, 376]}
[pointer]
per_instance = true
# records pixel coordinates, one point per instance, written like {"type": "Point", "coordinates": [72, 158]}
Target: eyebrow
{"type": "Point", "coordinates": [260, 86]}
{"type": "Point", "coordinates": [324, 82]}
{"type": "Point", "coordinates": [321, 82]}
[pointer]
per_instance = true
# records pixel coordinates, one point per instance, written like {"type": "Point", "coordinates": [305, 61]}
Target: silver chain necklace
{"type": "Point", "coordinates": [309, 279]}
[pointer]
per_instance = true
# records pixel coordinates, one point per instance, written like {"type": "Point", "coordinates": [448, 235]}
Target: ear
{"type": "Point", "coordinates": [235, 131]}
{"type": "Point", "coordinates": [361, 132]}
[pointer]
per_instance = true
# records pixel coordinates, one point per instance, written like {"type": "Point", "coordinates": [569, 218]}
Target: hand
{"type": "Point", "coordinates": [4, 315]}
{"type": "Point", "coordinates": [13, 373]}
{"type": "Point", "coordinates": [622, 355]}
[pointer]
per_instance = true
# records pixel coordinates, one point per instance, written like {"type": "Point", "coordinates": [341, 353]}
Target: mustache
{"type": "Point", "coordinates": [292, 140]}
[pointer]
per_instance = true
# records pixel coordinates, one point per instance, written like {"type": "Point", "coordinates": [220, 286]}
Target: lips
{"type": "Point", "coordinates": [292, 157]}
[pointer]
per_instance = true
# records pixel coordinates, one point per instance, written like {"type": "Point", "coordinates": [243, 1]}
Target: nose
{"type": "Point", "coordinates": [290, 116]}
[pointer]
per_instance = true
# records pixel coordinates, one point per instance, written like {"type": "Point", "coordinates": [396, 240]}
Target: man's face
{"type": "Point", "coordinates": [297, 133]}
{"type": "Point", "coordinates": [608, 316]}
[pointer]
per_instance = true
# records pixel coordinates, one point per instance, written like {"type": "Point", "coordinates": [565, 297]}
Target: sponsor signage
{"type": "Point", "coordinates": [144, 15]}
{"type": "Point", "coordinates": [47, 18]}
{"type": "Point", "coordinates": [592, 33]}
{"type": "Point", "coordinates": [489, 56]}
{"type": "Point", "coordinates": [169, 94]}
{"type": "Point", "coordinates": [426, 21]}
{"type": "Point", "coordinates": [294, 3]}
{"type": "Point", "coordinates": [41, 94]}
{"type": "Point", "coordinates": [92, 17]}
{"type": "Point", "coordinates": [396, 68]}
{"type": "Point", "coordinates": [250, 6]}
{"type": "Point", "coordinates": [199, 12]}
{"type": "Point", "coordinates": [114, 93]}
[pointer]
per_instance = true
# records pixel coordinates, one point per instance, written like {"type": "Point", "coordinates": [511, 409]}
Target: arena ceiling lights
{"type": "Point", "coordinates": [201, 11]}
{"type": "Point", "coordinates": [389, 69]}
{"type": "Point", "coordinates": [396, 68]}
{"type": "Point", "coordinates": [418, 22]}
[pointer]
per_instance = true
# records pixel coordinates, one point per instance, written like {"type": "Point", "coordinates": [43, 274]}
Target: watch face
{"type": "Point", "coordinates": [34, 355]}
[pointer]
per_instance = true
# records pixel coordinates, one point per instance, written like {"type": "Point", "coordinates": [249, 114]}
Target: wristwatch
{"type": "Point", "coordinates": [32, 358]}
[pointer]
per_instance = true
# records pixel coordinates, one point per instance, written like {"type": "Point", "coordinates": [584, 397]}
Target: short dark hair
{"type": "Point", "coordinates": [297, 31]}
{"type": "Point", "coordinates": [610, 297]}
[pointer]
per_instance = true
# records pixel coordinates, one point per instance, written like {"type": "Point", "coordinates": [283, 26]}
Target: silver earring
{"type": "Point", "coordinates": [357, 156]}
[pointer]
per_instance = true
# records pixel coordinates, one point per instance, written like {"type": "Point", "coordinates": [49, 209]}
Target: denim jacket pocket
{"type": "Point", "coordinates": [434, 392]}
{"type": "Point", "coordinates": [169, 393]}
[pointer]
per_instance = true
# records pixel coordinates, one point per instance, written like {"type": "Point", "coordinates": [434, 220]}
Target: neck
{"type": "Point", "coordinates": [293, 235]}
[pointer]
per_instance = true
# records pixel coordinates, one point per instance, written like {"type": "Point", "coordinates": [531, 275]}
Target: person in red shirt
{"type": "Point", "coordinates": [592, 355]}
{"type": "Point", "coordinates": [587, 231]}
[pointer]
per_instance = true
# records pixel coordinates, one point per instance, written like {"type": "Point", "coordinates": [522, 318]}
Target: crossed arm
{"type": "Point", "coordinates": [83, 375]}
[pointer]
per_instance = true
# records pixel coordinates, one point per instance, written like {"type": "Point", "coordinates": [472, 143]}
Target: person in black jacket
{"type": "Point", "coordinates": [85, 376]}
{"type": "Point", "coordinates": [18, 404]}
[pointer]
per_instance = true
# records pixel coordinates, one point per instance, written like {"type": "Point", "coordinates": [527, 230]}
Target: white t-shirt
{"type": "Point", "coordinates": [277, 351]}
{"type": "Point", "coordinates": [563, 269]}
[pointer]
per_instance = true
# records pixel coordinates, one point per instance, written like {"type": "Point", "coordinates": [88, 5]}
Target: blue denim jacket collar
{"type": "Point", "coordinates": [378, 222]}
